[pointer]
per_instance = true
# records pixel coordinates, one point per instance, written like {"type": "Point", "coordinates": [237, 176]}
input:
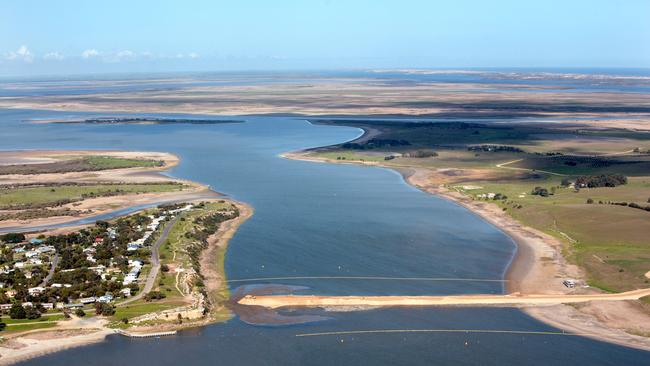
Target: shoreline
{"type": "Point", "coordinates": [537, 258]}
{"type": "Point", "coordinates": [68, 334]}
{"type": "Point", "coordinates": [100, 207]}
{"type": "Point", "coordinates": [20, 347]}
{"type": "Point", "coordinates": [215, 280]}
{"type": "Point", "coordinates": [42, 347]}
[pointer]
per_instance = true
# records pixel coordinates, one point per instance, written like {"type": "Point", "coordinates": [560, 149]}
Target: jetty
{"type": "Point", "coordinates": [146, 335]}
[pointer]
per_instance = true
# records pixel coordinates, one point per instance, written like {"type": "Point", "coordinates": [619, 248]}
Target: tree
{"type": "Point", "coordinates": [17, 311]}
{"type": "Point", "coordinates": [154, 295]}
{"type": "Point", "coordinates": [164, 268]}
{"type": "Point", "coordinates": [590, 201]}
{"type": "Point", "coordinates": [13, 238]}
{"type": "Point", "coordinates": [102, 308]}
{"type": "Point", "coordinates": [32, 313]}
{"type": "Point", "coordinates": [80, 313]}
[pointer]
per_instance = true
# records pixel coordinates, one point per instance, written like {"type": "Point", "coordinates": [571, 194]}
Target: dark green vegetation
{"type": "Point", "coordinates": [588, 187]}
{"type": "Point", "coordinates": [152, 120]}
{"type": "Point", "coordinates": [82, 164]}
{"type": "Point", "coordinates": [12, 238]}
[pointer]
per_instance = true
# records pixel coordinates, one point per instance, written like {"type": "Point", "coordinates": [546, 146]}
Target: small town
{"type": "Point", "coordinates": [90, 268]}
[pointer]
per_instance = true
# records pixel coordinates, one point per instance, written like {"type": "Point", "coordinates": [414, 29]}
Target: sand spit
{"type": "Point", "coordinates": [279, 301]}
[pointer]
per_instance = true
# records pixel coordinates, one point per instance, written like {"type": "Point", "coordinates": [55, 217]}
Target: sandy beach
{"type": "Point", "coordinates": [213, 278]}
{"type": "Point", "coordinates": [68, 334]}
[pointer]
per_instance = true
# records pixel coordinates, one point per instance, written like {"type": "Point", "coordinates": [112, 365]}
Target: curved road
{"type": "Point", "coordinates": [155, 264]}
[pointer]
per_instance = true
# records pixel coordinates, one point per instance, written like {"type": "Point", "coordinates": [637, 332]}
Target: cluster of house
{"type": "Point", "coordinates": [135, 268]}
{"type": "Point", "coordinates": [153, 226]}
{"type": "Point", "coordinates": [108, 297]}
{"type": "Point", "coordinates": [34, 256]}
{"type": "Point", "coordinates": [155, 222]}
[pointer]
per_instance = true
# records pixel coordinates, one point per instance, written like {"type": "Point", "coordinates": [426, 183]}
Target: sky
{"type": "Point", "coordinates": [78, 36]}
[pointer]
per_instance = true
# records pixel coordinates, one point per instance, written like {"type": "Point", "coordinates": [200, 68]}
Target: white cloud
{"type": "Point", "coordinates": [125, 54]}
{"type": "Point", "coordinates": [22, 53]}
{"type": "Point", "coordinates": [90, 53]}
{"type": "Point", "coordinates": [53, 56]}
{"type": "Point", "coordinates": [193, 55]}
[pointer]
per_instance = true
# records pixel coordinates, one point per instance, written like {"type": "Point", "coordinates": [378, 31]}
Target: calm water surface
{"type": "Point", "coordinates": [316, 219]}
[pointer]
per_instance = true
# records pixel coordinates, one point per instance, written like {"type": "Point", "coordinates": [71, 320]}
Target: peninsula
{"type": "Point", "coordinates": [573, 197]}
{"type": "Point", "coordinates": [149, 272]}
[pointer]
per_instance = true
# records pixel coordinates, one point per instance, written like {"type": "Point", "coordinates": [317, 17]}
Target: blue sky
{"type": "Point", "coordinates": [75, 36]}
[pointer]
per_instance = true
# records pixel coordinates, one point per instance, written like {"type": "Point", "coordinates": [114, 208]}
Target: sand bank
{"type": "Point", "coordinates": [97, 206]}
{"type": "Point", "coordinates": [279, 301]}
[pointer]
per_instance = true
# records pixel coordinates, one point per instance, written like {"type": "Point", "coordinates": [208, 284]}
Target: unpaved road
{"type": "Point", "coordinates": [374, 301]}
{"type": "Point", "coordinates": [155, 263]}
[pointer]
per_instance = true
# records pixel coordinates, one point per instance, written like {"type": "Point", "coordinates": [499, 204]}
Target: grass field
{"type": "Point", "coordinates": [20, 325]}
{"type": "Point", "coordinates": [609, 241]}
{"type": "Point", "coordinates": [23, 197]}
{"type": "Point", "coordinates": [80, 164]}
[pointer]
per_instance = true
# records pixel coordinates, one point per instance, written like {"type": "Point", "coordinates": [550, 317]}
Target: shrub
{"type": "Point", "coordinates": [104, 309]}
{"type": "Point", "coordinates": [422, 154]}
{"type": "Point", "coordinates": [17, 311]}
{"type": "Point", "coordinates": [609, 180]}
{"type": "Point", "coordinates": [539, 191]}
{"type": "Point", "coordinates": [590, 201]}
{"type": "Point", "coordinates": [154, 295]}
{"type": "Point", "coordinates": [80, 313]}
{"type": "Point", "coordinates": [13, 238]}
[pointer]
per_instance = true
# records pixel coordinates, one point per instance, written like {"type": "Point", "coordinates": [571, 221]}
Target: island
{"type": "Point", "coordinates": [139, 121]}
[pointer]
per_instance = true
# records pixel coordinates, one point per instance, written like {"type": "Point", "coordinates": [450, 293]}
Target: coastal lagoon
{"type": "Point", "coordinates": [320, 220]}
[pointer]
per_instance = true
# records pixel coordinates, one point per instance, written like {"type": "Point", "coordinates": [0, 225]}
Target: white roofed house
{"type": "Point", "coordinates": [126, 291]}
{"type": "Point", "coordinates": [45, 249]}
{"type": "Point", "coordinates": [133, 246]}
{"type": "Point", "coordinates": [108, 297]}
{"type": "Point", "coordinates": [35, 291]}
{"type": "Point", "coordinates": [88, 300]}
{"type": "Point", "coordinates": [35, 261]}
